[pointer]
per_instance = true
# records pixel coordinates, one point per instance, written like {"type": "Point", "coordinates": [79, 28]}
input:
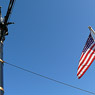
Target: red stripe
{"type": "Point", "coordinates": [86, 56]}
{"type": "Point", "coordinates": [86, 68]}
{"type": "Point", "coordinates": [81, 55]}
{"type": "Point", "coordinates": [80, 59]}
{"type": "Point", "coordinates": [85, 63]}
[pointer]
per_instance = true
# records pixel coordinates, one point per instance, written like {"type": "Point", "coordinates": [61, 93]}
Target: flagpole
{"type": "Point", "coordinates": [90, 28]}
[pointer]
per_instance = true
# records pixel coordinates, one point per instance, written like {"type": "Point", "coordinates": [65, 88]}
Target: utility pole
{"type": "Point", "coordinates": [4, 32]}
{"type": "Point", "coordinates": [1, 56]}
{"type": "Point", "coordinates": [1, 69]}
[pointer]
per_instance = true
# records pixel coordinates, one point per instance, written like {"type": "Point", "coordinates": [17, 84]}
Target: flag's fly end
{"type": "Point", "coordinates": [78, 77]}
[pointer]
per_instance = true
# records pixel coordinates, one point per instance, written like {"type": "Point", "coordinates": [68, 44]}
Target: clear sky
{"type": "Point", "coordinates": [47, 38]}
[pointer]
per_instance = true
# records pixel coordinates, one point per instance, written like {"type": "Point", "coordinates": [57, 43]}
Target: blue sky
{"type": "Point", "coordinates": [47, 38]}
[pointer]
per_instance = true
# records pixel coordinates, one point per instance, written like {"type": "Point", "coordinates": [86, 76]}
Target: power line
{"type": "Point", "coordinates": [50, 78]}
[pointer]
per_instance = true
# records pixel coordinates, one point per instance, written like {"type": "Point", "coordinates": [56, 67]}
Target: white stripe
{"type": "Point", "coordinates": [86, 53]}
{"type": "Point", "coordinates": [86, 59]}
{"type": "Point", "coordinates": [86, 66]}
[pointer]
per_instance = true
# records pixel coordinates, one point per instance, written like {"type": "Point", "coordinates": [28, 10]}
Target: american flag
{"type": "Point", "coordinates": [87, 56]}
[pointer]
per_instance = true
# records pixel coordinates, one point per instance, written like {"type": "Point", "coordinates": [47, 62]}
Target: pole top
{"type": "Point", "coordinates": [0, 14]}
{"type": "Point", "coordinates": [0, 7]}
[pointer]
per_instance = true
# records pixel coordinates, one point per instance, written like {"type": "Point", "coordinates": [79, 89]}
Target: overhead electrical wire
{"type": "Point", "coordinates": [54, 80]}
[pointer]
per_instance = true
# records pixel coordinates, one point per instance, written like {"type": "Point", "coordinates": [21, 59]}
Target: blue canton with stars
{"type": "Point", "coordinates": [89, 41]}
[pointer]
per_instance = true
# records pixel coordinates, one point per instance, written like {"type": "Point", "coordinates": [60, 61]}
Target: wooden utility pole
{"type": "Point", "coordinates": [1, 56]}
{"type": "Point", "coordinates": [3, 32]}
{"type": "Point", "coordinates": [1, 69]}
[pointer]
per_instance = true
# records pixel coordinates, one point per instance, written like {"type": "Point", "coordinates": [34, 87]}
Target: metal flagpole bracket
{"type": "Point", "coordinates": [90, 28]}
{"type": "Point", "coordinates": [1, 89]}
{"type": "Point", "coordinates": [1, 61]}
{"type": "Point", "coordinates": [1, 41]}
